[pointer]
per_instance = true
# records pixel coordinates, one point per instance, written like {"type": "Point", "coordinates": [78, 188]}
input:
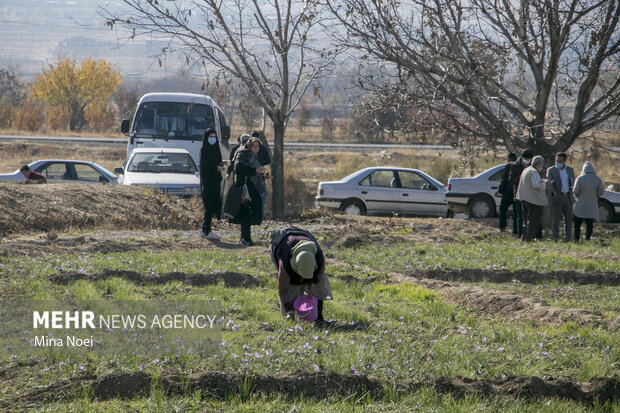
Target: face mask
{"type": "Point", "coordinates": [524, 162]}
{"type": "Point", "coordinates": [211, 141]}
{"type": "Point", "coordinates": [559, 165]}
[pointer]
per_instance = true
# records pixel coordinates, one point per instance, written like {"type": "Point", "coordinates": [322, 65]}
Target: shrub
{"type": "Point", "coordinates": [28, 116]}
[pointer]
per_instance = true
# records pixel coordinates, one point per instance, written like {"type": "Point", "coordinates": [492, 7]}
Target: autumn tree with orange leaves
{"type": "Point", "coordinates": [73, 88]}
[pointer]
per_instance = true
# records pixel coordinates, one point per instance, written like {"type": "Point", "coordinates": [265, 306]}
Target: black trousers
{"type": "Point", "coordinates": [517, 210]}
{"type": "Point", "coordinates": [589, 225]}
{"type": "Point", "coordinates": [533, 218]}
{"type": "Point", "coordinates": [503, 212]}
{"type": "Point", "coordinates": [208, 212]}
{"type": "Point", "coordinates": [245, 219]}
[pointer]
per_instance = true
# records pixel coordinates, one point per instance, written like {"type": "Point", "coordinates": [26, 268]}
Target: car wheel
{"type": "Point", "coordinates": [353, 207]}
{"type": "Point", "coordinates": [481, 207]}
{"type": "Point", "coordinates": [605, 212]}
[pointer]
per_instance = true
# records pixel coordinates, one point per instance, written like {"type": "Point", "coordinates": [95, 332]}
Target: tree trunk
{"type": "Point", "coordinates": [277, 170]}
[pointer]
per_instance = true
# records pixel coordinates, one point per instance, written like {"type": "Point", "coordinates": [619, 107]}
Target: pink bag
{"type": "Point", "coordinates": [306, 308]}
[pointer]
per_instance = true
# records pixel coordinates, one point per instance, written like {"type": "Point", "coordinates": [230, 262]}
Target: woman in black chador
{"type": "Point", "coordinates": [211, 168]}
{"type": "Point", "coordinates": [249, 171]}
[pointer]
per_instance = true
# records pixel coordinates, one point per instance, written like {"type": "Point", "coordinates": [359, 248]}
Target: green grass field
{"type": "Point", "coordinates": [413, 336]}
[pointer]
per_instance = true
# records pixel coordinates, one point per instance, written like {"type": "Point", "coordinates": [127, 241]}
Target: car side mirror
{"type": "Point", "coordinates": [118, 170]}
{"type": "Point", "coordinates": [125, 126]}
{"type": "Point", "coordinates": [226, 132]}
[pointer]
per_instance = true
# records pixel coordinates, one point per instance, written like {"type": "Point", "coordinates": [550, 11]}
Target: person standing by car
{"type": "Point", "coordinates": [248, 171]}
{"type": "Point", "coordinates": [300, 264]}
{"type": "Point", "coordinates": [211, 167]}
{"type": "Point", "coordinates": [533, 196]}
{"type": "Point", "coordinates": [506, 192]}
{"type": "Point", "coordinates": [560, 197]}
{"type": "Point", "coordinates": [32, 177]}
{"type": "Point", "coordinates": [514, 177]}
{"type": "Point", "coordinates": [588, 188]}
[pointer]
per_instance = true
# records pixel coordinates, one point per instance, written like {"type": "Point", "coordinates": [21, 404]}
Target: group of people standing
{"type": "Point", "coordinates": [246, 167]}
{"type": "Point", "coordinates": [526, 187]}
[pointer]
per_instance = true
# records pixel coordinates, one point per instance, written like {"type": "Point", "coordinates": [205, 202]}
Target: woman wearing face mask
{"type": "Point", "coordinates": [532, 193]}
{"type": "Point", "coordinates": [248, 171]}
{"type": "Point", "coordinates": [211, 168]}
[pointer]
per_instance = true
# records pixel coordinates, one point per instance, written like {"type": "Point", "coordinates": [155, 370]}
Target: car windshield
{"type": "Point", "coordinates": [173, 120]}
{"type": "Point", "coordinates": [175, 163]}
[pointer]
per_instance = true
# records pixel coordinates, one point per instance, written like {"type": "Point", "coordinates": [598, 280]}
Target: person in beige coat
{"type": "Point", "coordinates": [532, 193]}
{"type": "Point", "coordinates": [588, 188]}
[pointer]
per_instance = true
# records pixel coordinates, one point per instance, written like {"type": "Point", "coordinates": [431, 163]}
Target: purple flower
{"type": "Point", "coordinates": [353, 371]}
{"type": "Point", "coordinates": [500, 349]}
{"type": "Point", "coordinates": [315, 367]}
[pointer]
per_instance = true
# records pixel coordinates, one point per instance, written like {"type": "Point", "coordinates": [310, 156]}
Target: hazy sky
{"type": "Point", "coordinates": [35, 32]}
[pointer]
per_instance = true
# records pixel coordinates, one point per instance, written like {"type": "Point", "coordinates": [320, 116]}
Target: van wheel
{"type": "Point", "coordinates": [353, 207]}
{"type": "Point", "coordinates": [481, 207]}
{"type": "Point", "coordinates": [605, 212]}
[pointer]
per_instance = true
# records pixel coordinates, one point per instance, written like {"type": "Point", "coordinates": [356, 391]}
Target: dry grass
{"type": "Point", "coordinates": [63, 207]}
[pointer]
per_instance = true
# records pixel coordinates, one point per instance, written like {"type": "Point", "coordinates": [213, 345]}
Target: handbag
{"type": "Point", "coordinates": [237, 196]}
{"type": "Point", "coordinates": [233, 201]}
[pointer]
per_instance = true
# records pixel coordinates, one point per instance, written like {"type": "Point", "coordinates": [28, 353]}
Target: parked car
{"type": "Point", "coordinates": [385, 190]}
{"type": "Point", "coordinates": [171, 170]}
{"type": "Point", "coordinates": [476, 196]}
{"type": "Point", "coordinates": [61, 170]}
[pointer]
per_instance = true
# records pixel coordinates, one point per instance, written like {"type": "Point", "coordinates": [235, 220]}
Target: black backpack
{"type": "Point", "coordinates": [277, 235]}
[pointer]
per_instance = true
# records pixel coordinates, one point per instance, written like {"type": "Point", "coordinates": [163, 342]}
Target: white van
{"type": "Point", "coordinates": [176, 120]}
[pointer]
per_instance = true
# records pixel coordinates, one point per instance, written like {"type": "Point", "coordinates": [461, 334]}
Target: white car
{"type": "Point", "coordinates": [476, 196]}
{"type": "Point", "coordinates": [171, 170]}
{"type": "Point", "coordinates": [385, 190]}
{"type": "Point", "coordinates": [62, 170]}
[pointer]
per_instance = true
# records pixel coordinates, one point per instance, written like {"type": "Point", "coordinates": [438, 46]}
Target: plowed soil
{"type": "Point", "coordinates": [321, 385]}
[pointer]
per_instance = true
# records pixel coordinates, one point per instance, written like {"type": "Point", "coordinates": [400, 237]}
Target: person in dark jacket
{"type": "Point", "coordinates": [248, 172]}
{"type": "Point", "coordinates": [560, 196]}
{"type": "Point", "coordinates": [211, 167]}
{"type": "Point", "coordinates": [514, 176]}
{"type": "Point", "coordinates": [505, 191]}
{"type": "Point", "coordinates": [301, 269]}
{"type": "Point", "coordinates": [265, 159]}
{"type": "Point", "coordinates": [241, 141]}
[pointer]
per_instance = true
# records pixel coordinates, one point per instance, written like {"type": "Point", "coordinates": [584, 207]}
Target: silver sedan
{"type": "Point", "coordinates": [476, 196]}
{"type": "Point", "coordinates": [385, 190]}
{"type": "Point", "coordinates": [62, 170]}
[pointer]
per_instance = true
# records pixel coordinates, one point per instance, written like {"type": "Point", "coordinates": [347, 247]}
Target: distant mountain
{"type": "Point", "coordinates": [35, 32]}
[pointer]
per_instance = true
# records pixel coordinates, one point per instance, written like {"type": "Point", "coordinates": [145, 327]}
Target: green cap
{"type": "Point", "coordinates": [302, 260]}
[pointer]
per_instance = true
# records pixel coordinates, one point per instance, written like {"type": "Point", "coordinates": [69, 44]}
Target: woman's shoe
{"type": "Point", "coordinates": [212, 235]}
{"type": "Point", "coordinates": [246, 243]}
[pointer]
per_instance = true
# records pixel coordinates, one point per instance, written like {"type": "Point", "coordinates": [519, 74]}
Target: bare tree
{"type": "Point", "coordinates": [269, 45]}
{"type": "Point", "coordinates": [525, 74]}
